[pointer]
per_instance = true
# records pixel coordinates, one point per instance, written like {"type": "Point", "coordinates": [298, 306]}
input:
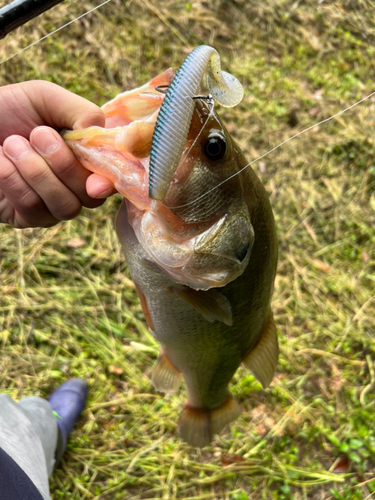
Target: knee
{"type": "Point", "coordinates": [5, 401]}
{"type": "Point", "coordinates": [36, 404]}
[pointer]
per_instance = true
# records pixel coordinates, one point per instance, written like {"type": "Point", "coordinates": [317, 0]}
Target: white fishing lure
{"type": "Point", "coordinates": [173, 123]}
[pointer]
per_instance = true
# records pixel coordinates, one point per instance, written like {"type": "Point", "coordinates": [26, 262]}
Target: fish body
{"type": "Point", "coordinates": [203, 259]}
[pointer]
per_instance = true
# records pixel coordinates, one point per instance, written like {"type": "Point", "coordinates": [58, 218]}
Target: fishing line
{"type": "Point", "coordinates": [273, 149]}
{"type": "Point", "coordinates": [184, 155]}
{"type": "Point", "coordinates": [53, 32]}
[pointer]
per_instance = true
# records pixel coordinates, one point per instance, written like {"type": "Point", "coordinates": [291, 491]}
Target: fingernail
{"type": "Point", "coordinates": [45, 141]}
{"type": "Point", "coordinates": [16, 147]}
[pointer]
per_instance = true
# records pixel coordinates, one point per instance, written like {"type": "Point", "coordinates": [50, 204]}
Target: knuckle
{"type": "Point", "coordinates": [65, 169]}
{"type": "Point", "coordinates": [9, 178]}
{"type": "Point", "coordinates": [29, 203]}
{"type": "Point", "coordinates": [38, 175]}
{"type": "Point", "coordinates": [68, 211]}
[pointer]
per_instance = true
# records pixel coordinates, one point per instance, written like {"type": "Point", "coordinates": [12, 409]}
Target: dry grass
{"type": "Point", "coordinates": [74, 311]}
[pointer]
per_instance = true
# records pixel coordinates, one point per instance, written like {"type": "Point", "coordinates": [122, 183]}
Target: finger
{"type": "Point", "coordinates": [7, 212]}
{"type": "Point", "coordinates": [99, 187]}
{"type": "Point", "coordinates": [20, 205]}
{"type": "Point", "coordinates": [59, 200]}
{"type": "Point", "coordinates": [48, 143]}
{"type": "Point", "coordinates": [63, 109]}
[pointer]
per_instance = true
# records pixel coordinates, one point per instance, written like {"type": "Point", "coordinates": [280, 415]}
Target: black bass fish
{"type": "Point", "coordinates": [203, 258]}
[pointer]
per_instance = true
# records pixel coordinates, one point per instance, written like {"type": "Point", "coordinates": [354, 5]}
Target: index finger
{"type": "Point", "coordinates": [60, 108]}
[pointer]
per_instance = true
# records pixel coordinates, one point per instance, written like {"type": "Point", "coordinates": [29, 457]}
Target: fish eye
{"type": "Point", "coordinates": [215, 147]}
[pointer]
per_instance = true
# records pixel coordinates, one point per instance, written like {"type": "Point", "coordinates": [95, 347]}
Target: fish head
{"type": "Point", "coordinates": [205, 203]}
{"type": "Point", "coordinates": [200, 234]}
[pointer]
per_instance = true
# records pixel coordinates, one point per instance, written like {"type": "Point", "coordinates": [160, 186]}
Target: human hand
{"type": "Point", "coordinates": [41, 181]}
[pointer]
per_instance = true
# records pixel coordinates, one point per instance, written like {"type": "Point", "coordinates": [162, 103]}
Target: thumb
{"type": "Point", "coordinates": [60, 108]}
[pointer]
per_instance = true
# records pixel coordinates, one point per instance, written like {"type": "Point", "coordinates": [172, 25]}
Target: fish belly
{"type": "Point", "coordinates": [202, 351]}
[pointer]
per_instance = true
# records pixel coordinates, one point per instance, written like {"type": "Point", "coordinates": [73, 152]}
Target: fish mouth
{"type": "Point", "coordinates": [211, 259]}
{"type": "Point", "coordinates": [222, 253]}
{"type": "Point", "coordinates": [241, 253]}
{"type": "Point", "coordinates": [215, 270]}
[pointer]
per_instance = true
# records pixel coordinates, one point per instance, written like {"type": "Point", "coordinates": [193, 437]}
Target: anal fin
{"type": "Point", "coordinates": [165, 377]}
{"type": "Point", "coordinates": [211, 304]}
{"type": "Point", "coordinates": [262, 360]}
{"type": "Point", "coordinates": [197, 426]}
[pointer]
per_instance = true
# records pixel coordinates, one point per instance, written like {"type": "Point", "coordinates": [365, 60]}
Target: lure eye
{"type": "Point", "coordinates": [215, 147]}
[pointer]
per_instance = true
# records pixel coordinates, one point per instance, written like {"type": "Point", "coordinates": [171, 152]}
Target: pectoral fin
{"type": "Point", "coordinates": [145, 309]}
{"type": "Point", "coordinates": [165, 377]}
{"type": "Point", "coordinates": [211, 304]}
{"type": "Point", "coordinates": [262, 360]}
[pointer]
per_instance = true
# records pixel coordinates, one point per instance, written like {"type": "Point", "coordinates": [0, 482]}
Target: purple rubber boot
{"type": "Point", "coordinates": [68, 401]}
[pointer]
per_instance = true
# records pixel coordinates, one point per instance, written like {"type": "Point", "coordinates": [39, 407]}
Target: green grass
{"type": "Point", "coordinates": [68, 311]}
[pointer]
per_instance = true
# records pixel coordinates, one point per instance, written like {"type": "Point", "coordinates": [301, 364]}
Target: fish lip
{"type": "Point", "coordinates": [208, 281]}
{"type": "Point", "coordinates": [216, 279]}
{"type": "Point", "coordinates": [238, 261]}
{"type": "Point", "coordinates": [243, 252]}
{"type": "Point", "coordinates": [197, 282]}
{"type": "Point", "coordinates": [238, 255]}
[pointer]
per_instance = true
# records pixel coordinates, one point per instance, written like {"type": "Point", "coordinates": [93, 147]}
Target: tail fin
{"type": "Point", "coordinates": [197, 426]}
